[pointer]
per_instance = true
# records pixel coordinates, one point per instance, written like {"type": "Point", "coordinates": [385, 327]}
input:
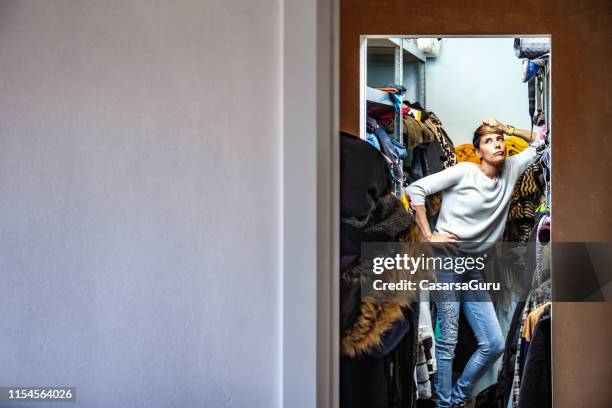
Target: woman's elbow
{"type": "Point", "coordinates": [415, 194]}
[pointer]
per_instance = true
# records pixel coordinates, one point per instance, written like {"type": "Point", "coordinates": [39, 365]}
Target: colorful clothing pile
{"type": "Point", "coordinates": [414, 131]}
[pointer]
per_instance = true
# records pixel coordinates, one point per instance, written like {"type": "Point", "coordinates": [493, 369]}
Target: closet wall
{"type": "Point", "coordinates": [582, 48]}
{"type": "Point", "coordinates": [462, 96]}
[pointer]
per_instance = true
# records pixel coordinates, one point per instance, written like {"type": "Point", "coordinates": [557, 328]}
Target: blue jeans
{"type": "Point", "coordinates": [483, 321]}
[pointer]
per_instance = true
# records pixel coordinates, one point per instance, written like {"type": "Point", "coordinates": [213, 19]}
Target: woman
{"type": "Point", "coordinates": [475, 202]}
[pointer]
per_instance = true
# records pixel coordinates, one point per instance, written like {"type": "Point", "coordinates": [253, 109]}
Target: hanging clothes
{"type": "Point", "coordinates": [430, 155]}
{"type": "Point", "coordinates": [538, 297]}
{"type": "Point", "coordinates": [536, 384]}
{"type": "Point", "coordinates": [532, 320]}
{"type": "Point", "coordinates": [502, 393]}
{"type": "Point", "coordinates": [368, 213]}
{"type": "Point", "coordinates": [527, 196]}
{"type": "Point", "coordinates": [545, 161]}
{"type": "Point", "coordinates": [423, 374]}
{"type": "Point", "coordinates": [426, 359]}
{"type": "Point", "coordinates": [373, 140]}
{"type": "Point", "coordinates": [391, 149]}
{"type": "Point", "coordinates": [364, 177]}
{"type": "Point", "coordinates": [363, 382]}
{"type": "Point", "coordinates": [527, 334]}
{"type": "Point", "coordinates": [542, 236]}
{"type": "Point", "coordinates": [414, 131]}
{"type": "Point", "coordinates": [434, 123]}
{"type": "Point", "coordinates": [377, 339]}
{"type": "Point", "coordinates": [427, 159]}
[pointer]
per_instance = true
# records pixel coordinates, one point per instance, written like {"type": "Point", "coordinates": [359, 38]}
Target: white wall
{"type": "Point", "coordinates": [140, 194]}
{"type": "Point", "coordinates": [474, 78]}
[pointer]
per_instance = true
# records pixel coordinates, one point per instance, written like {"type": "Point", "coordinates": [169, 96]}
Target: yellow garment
{"type": "Point", "coordinates": [532, 321]}
{"type": "Point", "coordinates": [405, 202]}
{"type": "Point", "coordinates": [514, 145]}
{"type": "Point", "coordinates": [466, 152]}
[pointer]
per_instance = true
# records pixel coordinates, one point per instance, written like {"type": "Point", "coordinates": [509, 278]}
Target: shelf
{"type": "Point", "coordinates": [387, 46]}
{"type": "Point", "coordinates": [376, 96]}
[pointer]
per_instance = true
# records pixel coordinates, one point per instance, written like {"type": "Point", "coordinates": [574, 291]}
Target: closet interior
{"type": "Point", "coordinates": [418, 101]}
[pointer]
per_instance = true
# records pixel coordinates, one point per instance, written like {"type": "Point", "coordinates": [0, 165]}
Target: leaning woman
{"type": "Point", "coordinates": [475, 202]}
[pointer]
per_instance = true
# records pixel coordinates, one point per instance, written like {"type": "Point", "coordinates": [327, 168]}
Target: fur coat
{"type": "Point", "coordinates": [363, 324]}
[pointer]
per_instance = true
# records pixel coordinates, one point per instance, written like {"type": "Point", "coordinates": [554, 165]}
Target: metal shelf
{"type": "Point", "coordinates": [396, 51]}
{"type": "Point", "coordinates": [376, 96]}
{"type": "Point", "coordinates": [410, 48]}
{"type": "Point", "coordinates": [387, 46]}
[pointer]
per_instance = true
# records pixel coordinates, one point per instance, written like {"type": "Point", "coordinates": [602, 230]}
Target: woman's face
{"type": "Point", "coordinates": [492, 149]}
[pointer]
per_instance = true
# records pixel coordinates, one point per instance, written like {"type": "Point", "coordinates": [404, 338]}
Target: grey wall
{"type": "Point", "coordinates": [140, 191]}
{"type": "Point", "coordinates": [474, 78]}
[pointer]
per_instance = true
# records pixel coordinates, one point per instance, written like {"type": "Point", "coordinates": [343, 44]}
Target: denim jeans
{"type": "Point", "coordinates": [483, 321]}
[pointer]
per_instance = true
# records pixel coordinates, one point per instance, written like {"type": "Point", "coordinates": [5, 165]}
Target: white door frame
{"type": "Point", "coordinates": [310, 194]}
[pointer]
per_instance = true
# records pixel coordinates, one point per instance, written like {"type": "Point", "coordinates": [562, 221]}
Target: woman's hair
{"type": "Point", "coordinates": [484, 130]}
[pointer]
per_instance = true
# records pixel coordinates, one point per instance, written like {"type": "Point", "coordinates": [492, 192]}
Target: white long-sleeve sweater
{"type": "Point", "coordinates": [474, 206]}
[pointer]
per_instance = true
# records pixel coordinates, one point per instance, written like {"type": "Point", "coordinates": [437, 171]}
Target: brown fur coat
{"type": "Point", "coordinates": [372, 319]}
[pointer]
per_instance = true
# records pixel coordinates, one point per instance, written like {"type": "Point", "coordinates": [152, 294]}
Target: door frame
{"type": "Point", "coordinates": [310, 204]}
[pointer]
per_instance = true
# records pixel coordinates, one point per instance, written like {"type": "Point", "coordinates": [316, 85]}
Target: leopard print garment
{"type": "Point", "coordinates": [526, 198]}
{"type": "Point", "coordinates": [435, 125]}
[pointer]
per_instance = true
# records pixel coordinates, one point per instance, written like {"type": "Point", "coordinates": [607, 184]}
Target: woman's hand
{"type": "Point", "coordinates": [496, 124]}
{"type": "Point", "coordinates": [438, 237]}
{"type": "Point", "coordinates": [526, 135]}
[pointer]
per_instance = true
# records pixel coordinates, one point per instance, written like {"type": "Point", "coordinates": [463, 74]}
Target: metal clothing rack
{"type": "Point", "coordinates": [402, 49]}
